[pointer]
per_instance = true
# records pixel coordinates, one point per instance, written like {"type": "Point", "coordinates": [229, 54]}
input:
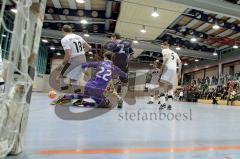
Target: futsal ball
{"type": "Point", "coordinates": [52, 94]}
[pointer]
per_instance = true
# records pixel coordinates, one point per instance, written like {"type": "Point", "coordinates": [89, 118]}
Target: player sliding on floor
{"type": "Point", "coordinates": [170, 73]}
{"type": "Point", "coordinates": [97, 85]}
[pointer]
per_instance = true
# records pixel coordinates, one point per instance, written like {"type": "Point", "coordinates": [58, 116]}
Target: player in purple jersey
{"type": "Point", "coordinates": [120, 59]}
{"type": "Point", "coordinates": [97, 85]}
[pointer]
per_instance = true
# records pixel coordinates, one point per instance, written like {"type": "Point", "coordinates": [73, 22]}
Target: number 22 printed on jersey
{"type": "Point", "coordinates": [104, 73]}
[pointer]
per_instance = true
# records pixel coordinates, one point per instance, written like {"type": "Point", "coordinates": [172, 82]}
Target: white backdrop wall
{"type": "Point", "coordinates": [226, 69]}
{"type": "Point", "coordinates": [199, 74]}
{"type": "Point", "coordinates": [212, 72]}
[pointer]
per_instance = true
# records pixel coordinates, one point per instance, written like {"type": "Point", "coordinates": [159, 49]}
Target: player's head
{"type": "Point", "coordinates": [155, 64]}
{"type": "Point", "coordinates": [66, 29]}
{"type": "Point", "coordinates": [165, 45]}
{"type": "Point", "coordinates": [107, 55]}
{"type": "Point", "coordinates": [115, 36]}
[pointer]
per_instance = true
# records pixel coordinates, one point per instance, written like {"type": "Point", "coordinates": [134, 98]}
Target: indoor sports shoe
{"type": "Point", "coordinates": [162, 106]}
{"type": "Point", "coordinates": [54, 102]}
{"type": "Point", "coordinates": [169, 107]}
{"type": "Point", "coordinates": [120, 104]}
{"type": "Point", "coordinates": [61, 101]}
{"type": "Point", "coordinates": [77, 102]}
{"type": "Point", "coordinates": [150, 102]}
{"type": "Point", "coordinates": [105, 104]}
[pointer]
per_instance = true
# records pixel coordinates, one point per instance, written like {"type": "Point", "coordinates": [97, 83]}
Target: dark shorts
{"type": "Point", "coordinates": [122, 79]}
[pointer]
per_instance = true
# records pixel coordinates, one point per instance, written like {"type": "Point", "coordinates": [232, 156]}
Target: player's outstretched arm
{"type": "Point", "coordinates": [67, 56]}
{"type": "Point", "coordinates": [118, 71]}
{"type": "Point", "coordinates": [90, 64]}
{"type": "Point", "coordinates": [87, 47]}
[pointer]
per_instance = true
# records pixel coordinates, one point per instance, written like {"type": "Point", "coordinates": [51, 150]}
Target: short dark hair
{"type": "Point", "coordinates": [116, 35]}
{"type": "Point", "coordinates": [108, 55]}
{"type": "Point", "coordinates": [165, 43]}
{"type": "Point", "coordinates": [67, 28]}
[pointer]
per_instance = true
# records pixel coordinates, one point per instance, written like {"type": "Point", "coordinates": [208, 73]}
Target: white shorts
{"type": "Point", "coordinates": [152, 86]}
{"type": "Point", "coordinates": [74, 71]}
{"type": "Point", "coordinates": [170, 76]}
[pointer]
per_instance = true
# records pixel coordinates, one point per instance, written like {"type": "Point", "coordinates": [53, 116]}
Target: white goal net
{"type": "Point", "coordinates": [24, 42]}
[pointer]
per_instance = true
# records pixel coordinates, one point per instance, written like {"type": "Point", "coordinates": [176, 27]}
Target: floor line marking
{"type": "Point", "coordinates": [140, 150]}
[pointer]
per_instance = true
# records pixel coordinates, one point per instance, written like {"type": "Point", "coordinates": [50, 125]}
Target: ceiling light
{"type": "Point", "coordinates": [4, 35]}
{"type": "Point", "coordinates": [90, 52]}
{"type": "Point", "coordinates": [182, 29]}
{"type": "Point", "coordinates": [235, 46]}
{"type": "Point", "coordinates": [86, 35]}
{"type": "Point", "coordinates": [143, 30]}
{"type": "Point", "coordinates": [80, 1]}
{"type": "Point", "coordinates": [222, 23]}
{"type": "Point", "coordinates": [233, 27]}
{"type": "Point", "coordinates": [91, 57]}
{"type": "Point", "coordinates": [14, 10]}
{"type": "Point", "coordinates": [216, 27]}
{"type": "Point", "coordinates": [178, 48]}
{"type": "Point", "coordinates": [155, 13]}
{"type": "Point", "coordinates": [193, 39]}
{"type": "Point", "coordinates": [201, 35]}
{"type": "Point", "coordinates": [210, 19]}
{"type": "Point", "coordinates": [59, 54]}
{"type": "Point", "coordinates": [199, 16]}
{"type": "Point", "coordinates": [135, 41]}
{"type": "Point", "coordinates": [215, 53]}
{"type": "Point", "coordinates": [191, 32]}
{"type": "Point", "coordinates": [185, 64]}
{"type": "Point", "coordinates": [45, 40]}
{"type": "Point", "coordinates": [196, 60]}
{"type": "Point", "coordinates": [83, 21]}
{"type": "Point", "coordinates": [52, 48]}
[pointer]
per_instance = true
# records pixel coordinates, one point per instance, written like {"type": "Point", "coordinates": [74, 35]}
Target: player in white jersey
{"type": "Point", "coordinates": [74, 47]}
{"type": "Point", "coordinates": [170, 73]}
{"type": "Point", "coordinates": [153, 86]}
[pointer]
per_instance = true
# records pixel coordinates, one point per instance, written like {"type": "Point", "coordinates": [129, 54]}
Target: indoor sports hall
{"type": "Point", "coordinates": [120, 79]}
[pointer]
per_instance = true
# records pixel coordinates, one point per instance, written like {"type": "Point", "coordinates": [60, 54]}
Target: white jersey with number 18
{"type": "Point", "coordinates": [74, 43]}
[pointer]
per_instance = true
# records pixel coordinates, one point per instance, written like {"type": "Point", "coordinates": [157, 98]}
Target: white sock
{"type": "Point", "coordinates": [162, 100]}
{"type": "Point", "coordinates": [124, 90]}
{"type": "Point", "coordinates": [170, 93]}
{"type": "Point", "coordinates": [74, 83]}
{"type": "Point", "coordinates": [65, 80]}
{"type": "Point", "coordinates": [151, 98]}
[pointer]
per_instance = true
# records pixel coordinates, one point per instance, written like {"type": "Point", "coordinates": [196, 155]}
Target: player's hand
{"type": "Point", "coordinates": [64, 62]}
{"type": "Point", "coordinates": [179, 75]}
{"type": "Point", "coordinates": [161, 71]}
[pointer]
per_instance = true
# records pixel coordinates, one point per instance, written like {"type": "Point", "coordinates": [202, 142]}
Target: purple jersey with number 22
{"type": "Point", "coordinates": [103, 75]}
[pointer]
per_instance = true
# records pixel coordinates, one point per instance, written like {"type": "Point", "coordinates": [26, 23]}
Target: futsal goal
{"type": "Point", "coordinates": [19, 70]}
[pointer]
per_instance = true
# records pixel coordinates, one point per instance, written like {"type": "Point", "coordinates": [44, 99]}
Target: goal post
{"type": "Point", "coordinates": [14, 102]}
